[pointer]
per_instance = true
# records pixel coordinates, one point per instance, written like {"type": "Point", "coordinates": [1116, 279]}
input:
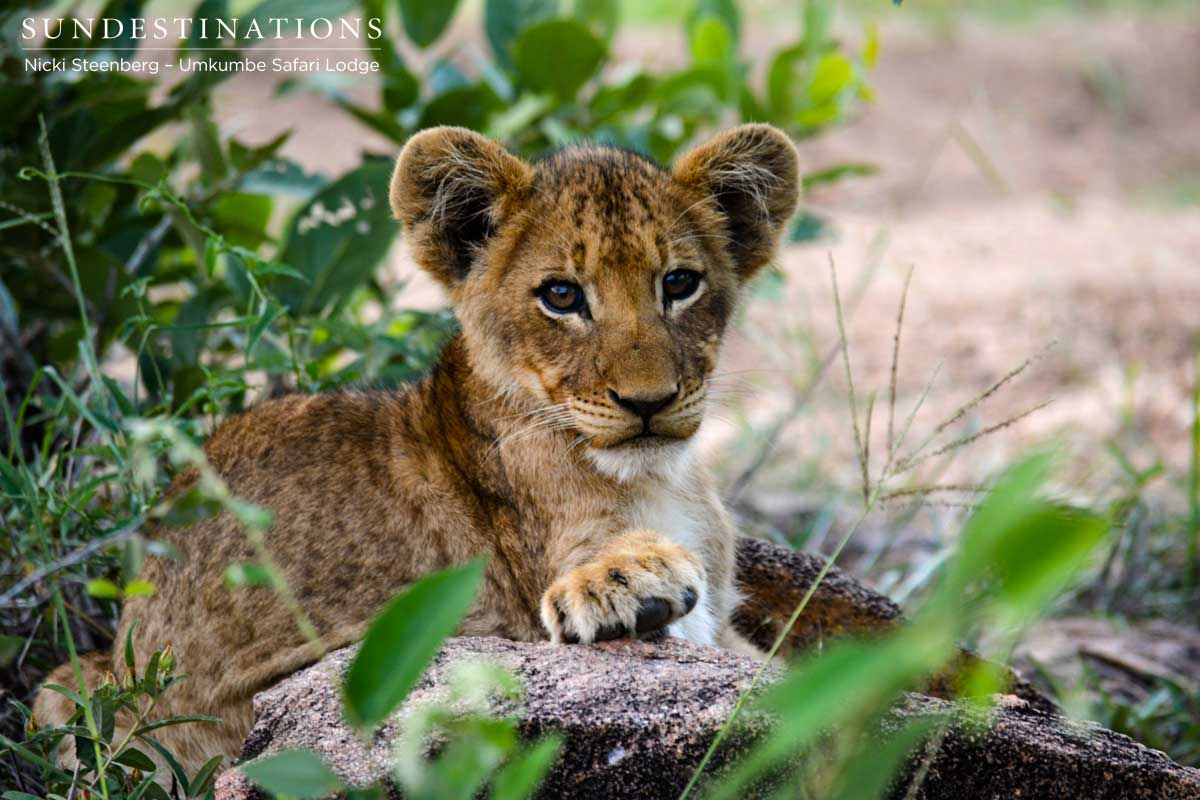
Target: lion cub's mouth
{"type": "Point", "coordinates": [646, 440]}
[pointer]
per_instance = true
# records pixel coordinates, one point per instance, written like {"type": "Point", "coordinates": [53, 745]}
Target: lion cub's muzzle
{"type": "Point", "coordinates": [644, 419]}
{"type": "Point", "coordinates": [644, 408]}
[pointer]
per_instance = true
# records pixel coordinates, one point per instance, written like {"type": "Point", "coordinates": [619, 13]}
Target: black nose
{"type": "Point", "coordinates": [642, 406]}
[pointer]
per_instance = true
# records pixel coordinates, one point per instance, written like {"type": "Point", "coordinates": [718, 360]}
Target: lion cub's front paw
{"type": "Point", "coordinates": [637, 585]}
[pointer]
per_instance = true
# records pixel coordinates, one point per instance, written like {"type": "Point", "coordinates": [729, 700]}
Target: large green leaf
{"type": "Point", "coordinates": [724, 10]}
{"type": "Point", "coordinates": [404, 638]}
{"type": "Point", "coordinates": [504, 20]}
{"type": "Point", "coordinates": [426, 20]}
{"type": "Point", "coordinates": [338, 238]}
{"type": "Point", "coordinates": [295, 773]}
{"type": "Point", "coordinates": [558, 56]}
{"type": "Point", "coordinates": [123, 12]}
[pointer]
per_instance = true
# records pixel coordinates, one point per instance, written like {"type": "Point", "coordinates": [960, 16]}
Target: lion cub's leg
{"type": "Point", "coordinates": [638, 583]}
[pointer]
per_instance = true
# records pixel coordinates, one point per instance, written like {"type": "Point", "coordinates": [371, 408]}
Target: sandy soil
{"type": "Point", "coordinates": [1019, 196]}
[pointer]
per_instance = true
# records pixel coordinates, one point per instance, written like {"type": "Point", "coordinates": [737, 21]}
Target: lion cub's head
{"type": "Point", "coordinates": [593, 287]}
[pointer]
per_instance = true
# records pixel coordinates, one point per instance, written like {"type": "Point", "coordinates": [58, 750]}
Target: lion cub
{"type": "Point", "coordinates": [593, 289]}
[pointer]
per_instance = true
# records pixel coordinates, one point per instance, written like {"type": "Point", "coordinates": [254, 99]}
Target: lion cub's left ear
{"type": "Point", "coordinates": [452, 189]}
{"type": "Point", "coordinates": [753, 174]}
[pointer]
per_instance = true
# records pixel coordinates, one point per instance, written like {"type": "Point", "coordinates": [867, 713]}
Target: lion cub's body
{"type": "Point", "coordinates": [597, 523]}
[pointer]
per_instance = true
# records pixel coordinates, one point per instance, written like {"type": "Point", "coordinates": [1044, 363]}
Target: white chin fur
{"type": "Point", "coordinates": [626, 464]}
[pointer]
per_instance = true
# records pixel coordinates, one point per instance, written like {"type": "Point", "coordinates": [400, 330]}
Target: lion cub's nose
{"type": "Point", "coordinates": [644, 407]}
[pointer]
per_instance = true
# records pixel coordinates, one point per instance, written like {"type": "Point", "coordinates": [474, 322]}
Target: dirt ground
{"type": "Point", "coordinates": [1024, 176]}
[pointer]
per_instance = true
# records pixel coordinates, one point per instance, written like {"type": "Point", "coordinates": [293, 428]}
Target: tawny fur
{"type": "Point", "coordinates": [512, 447]}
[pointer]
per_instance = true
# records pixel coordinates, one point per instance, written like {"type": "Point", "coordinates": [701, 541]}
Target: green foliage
{"type": "Point", "coordinates": [551, 83]}
{"type": "Point", "coordinates": [403, 639]}
{"type": "Point", "coordinates": [119, 758]}
{"type": "Point", "coordinates": [1167, 720]}
{"type": "Point", "coordinates": [294, 773]}
{"type": "Point", "coordinates": [1018, 551]}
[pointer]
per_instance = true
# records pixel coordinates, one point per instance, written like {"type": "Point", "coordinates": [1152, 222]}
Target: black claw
{"type": "Point", "coordinates": [653, 613]}
{"type": "Point", "coordinates": [689, 599]}
{"type": "Point", "coordinates": [617, 630]}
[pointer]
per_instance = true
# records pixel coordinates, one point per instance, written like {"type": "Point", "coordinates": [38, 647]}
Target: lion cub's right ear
{"type": "Point", "coordinates": [452, 189]}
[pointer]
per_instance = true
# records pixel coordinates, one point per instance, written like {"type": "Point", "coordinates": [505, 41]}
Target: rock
{"type": "Point", "coordinates": [1026, 753]}
{"type": "Point", "coordinates": [775, 579]}
{"type": "Point", "coordinates": [637, 717]}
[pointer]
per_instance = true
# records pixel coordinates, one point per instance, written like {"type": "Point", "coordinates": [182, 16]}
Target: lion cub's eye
{"type": "Point", "coordinates": [561, 297]}
{"type": "Point", "coordinates": [680, 284]}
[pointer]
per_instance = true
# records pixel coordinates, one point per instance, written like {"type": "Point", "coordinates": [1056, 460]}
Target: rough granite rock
{"type": "Point", "coordinates": [638, 717]}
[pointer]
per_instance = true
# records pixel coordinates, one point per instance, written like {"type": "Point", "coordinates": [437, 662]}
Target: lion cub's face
{"type": "Point", "coordinates": [595, 285]}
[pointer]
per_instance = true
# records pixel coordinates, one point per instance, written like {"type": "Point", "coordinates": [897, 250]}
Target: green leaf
{"type": "Point", "coordinates": [871, 49]}
{"type": "Point", "coordinates": [558, 56]}
{"type": "Point", "coordinates": [426, 20]}
{"type": "Point", "coordinates": [103, 588]}
{"type": "Point", "coordinates": [247, 573]}
{"type": "Point", "coordinates": [130, 658]}
{"type": "Point", "coordinates": [338, 238]}
{"type": "Point", "coordinates": [265, 318]}
{"type": "Point", "coordinates": [295, 773]}
{"type": "Point", "coordinates": [836, 173]}
{"type": "Point", "coordinates": [724, 10]}
{"type": "Point", "coordinates": [465, 106]}
{"type": "Point", "coordinates": [183, 719]}
{"type": "Point", "coordinates": [207, 144]}
{"type": "Point", "coordinates": [275, 268]}
{"type": "Point", "coordinates": [242, 218]}
{"type": "Point", "coordinates": [519, 778]}
{"type": "Point", "coordinates": [711, 42]}
{"type": "Point", "coordinates": [122, 12]}
{"type": "Point", "coordinates": [139, 588]}
{"type": "Point", "coordinates": [504, 20]}
{"type": "Point", "coordinates": [403, 639]}
{"type": "Point", "coordinates": [519, 116]}
{"type": "Point", "coordinates": [400, 90]}
{"type": "Point", "coordinates": [601, 16]}
{"type": "Point", "coordinates": [204, 776]}
{"type": "Point", "coordinates": [132, 757]}
{"type": "Point", "coordinates": [833, 73]}
{"type": "Point", "coordinates": [212, 249]}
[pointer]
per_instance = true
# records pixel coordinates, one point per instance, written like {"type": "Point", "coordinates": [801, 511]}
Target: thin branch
{"type": "Point", "coordinates": [841, 324]}
{"type": "Point", "coordinates": [896, 358]}
{"type": "Point", "coordinates": [964, 409]}
{"type": "Point", "coordinates": [911, 462]}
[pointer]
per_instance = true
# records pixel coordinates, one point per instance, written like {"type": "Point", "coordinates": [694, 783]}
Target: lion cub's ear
{"type": "Point", "coordinates": [452, 188]}
{"type": "Point", "coordinates": [753, 174]}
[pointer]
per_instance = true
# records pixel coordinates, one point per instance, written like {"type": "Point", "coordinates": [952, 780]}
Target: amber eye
{"type": "Point", "coordinates": [680, 284]}
{"type": "Point", "coordinates": [561, 297]}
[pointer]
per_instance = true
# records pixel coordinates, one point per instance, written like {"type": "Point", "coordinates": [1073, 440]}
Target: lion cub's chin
{"type": "Point", "coordinates": [640, 458]}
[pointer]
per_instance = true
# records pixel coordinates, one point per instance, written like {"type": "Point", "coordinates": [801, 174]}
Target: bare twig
{"type": "Point", "coordinates": [911, 491]}
{"type": "Point", "coordinates": [859, 450]}
{"type": "Point", "coordinates": [866, 454]}
{"type": "Point", "coordinates": [127, 531]}
{"type": "Point", "coordinates": [912, 461]}
{"type": "Point", "coordinates": [896, 358]}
